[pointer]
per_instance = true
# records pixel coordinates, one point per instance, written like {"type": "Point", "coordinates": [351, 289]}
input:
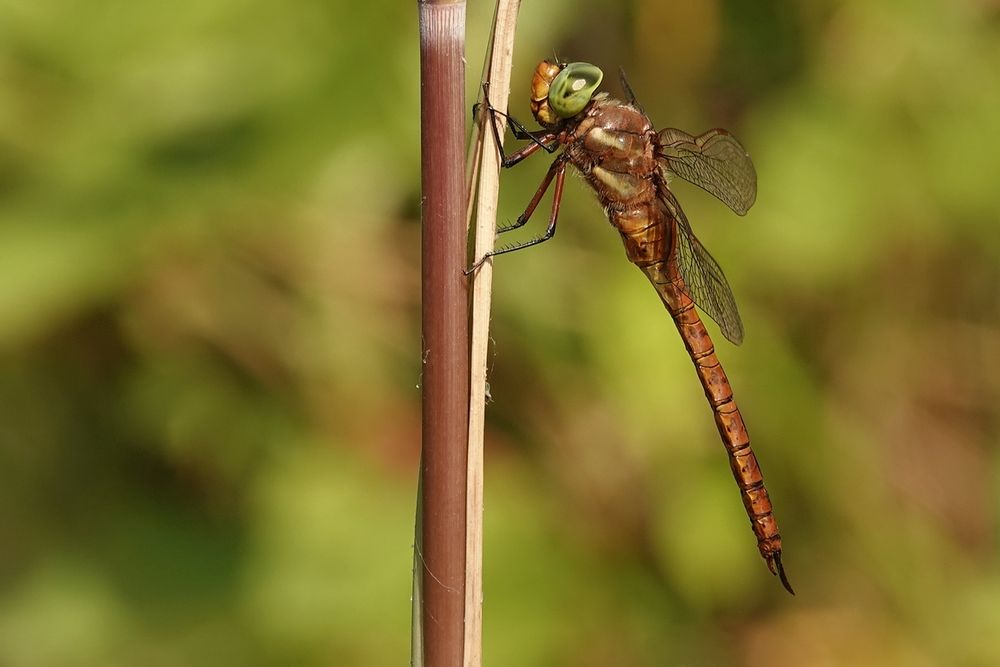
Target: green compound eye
{"type": "Point", "coordinates": [573, 87]}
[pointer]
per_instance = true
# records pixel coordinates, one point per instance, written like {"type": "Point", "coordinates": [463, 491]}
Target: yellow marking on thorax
{"type": "Point", "coordinates": [612, 140]}
{"type": "Point", "coordinates": [624, 186]}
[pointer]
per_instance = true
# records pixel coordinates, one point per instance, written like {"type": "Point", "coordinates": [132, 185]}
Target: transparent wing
{"type": "Point", "coordinates": [715, 162]}
{"type": "Point", "coordinates": [704, 281]}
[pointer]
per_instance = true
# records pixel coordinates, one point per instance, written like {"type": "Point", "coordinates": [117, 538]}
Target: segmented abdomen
{"type": "Point", "coordinates": [746, 471]}
{"type": "Point", "coordinates": [615, 153]}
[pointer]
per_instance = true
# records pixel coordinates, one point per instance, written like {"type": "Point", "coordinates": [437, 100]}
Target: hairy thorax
{"type": "Point", "coordinates": [614, 148]}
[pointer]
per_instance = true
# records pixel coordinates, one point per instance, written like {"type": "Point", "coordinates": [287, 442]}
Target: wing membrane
{"type": "Point", "coordinates": [715, 162]}
{"type": "Point", "coordinates": [704, 281]}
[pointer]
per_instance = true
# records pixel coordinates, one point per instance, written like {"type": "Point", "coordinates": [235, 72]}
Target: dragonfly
{"type": "Point", "coordinates": [629, 165]}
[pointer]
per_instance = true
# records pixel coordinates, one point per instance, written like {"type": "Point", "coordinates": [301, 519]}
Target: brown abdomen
{"type": "Point", "coordinates": [665, 277]}
{"type": "Point", "coordinates": [644, 231]}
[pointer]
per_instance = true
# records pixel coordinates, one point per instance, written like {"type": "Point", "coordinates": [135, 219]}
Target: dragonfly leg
{"type": "Point", "coordinates": [557, 172]}
{"type": "Point", "coordinates": [557, 166]}
{"type": "Point", "coordinates": [516, 127]}
{"type": "Point", "coordinates": [543, 139]}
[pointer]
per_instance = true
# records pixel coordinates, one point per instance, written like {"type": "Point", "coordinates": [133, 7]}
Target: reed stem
{"type": "Point", "coordinates": [440, 544]}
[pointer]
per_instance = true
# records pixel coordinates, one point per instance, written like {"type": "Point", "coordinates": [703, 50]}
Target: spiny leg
{"type": "Point", "coordinates": [520, 132]}
{"type": "Point", "coordinates": [558, 172]}
{"type": "Point", "coordinates": [516, 127]}
{"type": "Point", "coordinates": [559, 165]}
{"type": "Point", "coordinates": [539, 138]}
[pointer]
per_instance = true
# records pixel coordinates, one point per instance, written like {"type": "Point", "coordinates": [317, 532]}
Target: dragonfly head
{"type": "Point", "coordinates": [562, 90]}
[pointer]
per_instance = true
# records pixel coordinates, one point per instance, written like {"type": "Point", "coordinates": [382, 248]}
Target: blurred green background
{"type": "Point", "coordinates": [210, 342]}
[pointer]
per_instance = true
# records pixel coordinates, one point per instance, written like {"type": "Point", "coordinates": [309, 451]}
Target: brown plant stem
{"type": "Point", "coordinates": [445, 377]}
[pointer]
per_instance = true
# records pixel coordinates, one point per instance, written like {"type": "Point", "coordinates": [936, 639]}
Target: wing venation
{"type": "Point", "coordinates": [714, 161]}
{"type": "Point", "coordinates": [704, 280]}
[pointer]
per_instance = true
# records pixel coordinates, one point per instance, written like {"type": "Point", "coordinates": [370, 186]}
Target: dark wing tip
{"type": "Point", "coordinates": [734, 335]}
